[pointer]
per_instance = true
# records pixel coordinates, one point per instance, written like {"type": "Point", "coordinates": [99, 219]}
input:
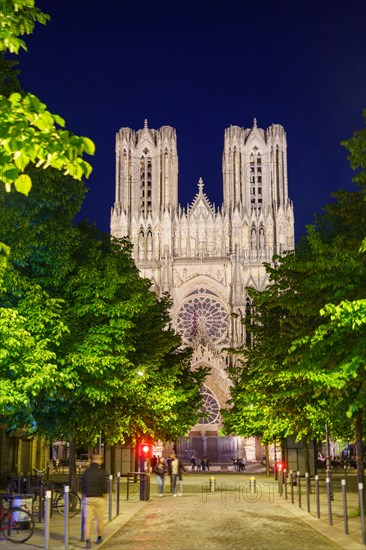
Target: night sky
{"type": "Point", "coordinates": [199, 67]}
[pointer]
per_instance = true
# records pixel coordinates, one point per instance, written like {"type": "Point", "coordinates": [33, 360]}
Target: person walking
{"type": "Point", "coordinates": [160, 471]}
{"type": "Point", "coordinates": [94, 487]}
{"type": "Point", "coordinates": [177, 470]}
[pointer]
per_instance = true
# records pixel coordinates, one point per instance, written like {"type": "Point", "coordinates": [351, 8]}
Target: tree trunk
{"type": "Point", "coordinates": [267, 459]}
{"type": "Point", "coordinates": [306, 456]}
{"type": "Point", "coordinates": [72, 464]}
{"type": "Point", "coordinates": [360, 454]}
{"type": "Point", "coordinates": [112, 451]}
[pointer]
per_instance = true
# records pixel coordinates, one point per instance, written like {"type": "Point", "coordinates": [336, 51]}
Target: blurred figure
{"type": "Point", "coordinates": [94, 487]}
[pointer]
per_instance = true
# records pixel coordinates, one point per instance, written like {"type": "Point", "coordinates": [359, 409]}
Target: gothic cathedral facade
{"type": "Point", "coordinates": [206, 257]}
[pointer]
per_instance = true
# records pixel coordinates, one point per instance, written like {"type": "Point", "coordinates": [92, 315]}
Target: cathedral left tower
{"type": "Point", "coordinates": [146, 188]}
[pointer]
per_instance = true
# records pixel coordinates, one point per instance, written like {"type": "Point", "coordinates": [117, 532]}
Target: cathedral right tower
{"type": "Point", "coordinates": [254, 167]}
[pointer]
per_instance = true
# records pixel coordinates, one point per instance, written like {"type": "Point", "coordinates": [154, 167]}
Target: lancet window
{"type": "Point", "coordinates": [145, 182]}
{"type": "Point", "coordinates": [255, 174]}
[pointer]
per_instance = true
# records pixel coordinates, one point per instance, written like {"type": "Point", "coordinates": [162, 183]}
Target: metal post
{"type": "Point", "coordinates": [285, 482]}
{"type": "Point", "coordinates": [66, 517]}
{"type": "Point", "coordinates": [82, 529]}
{"type": "Point", "coordinates": [328, 462]}
{"type": "Point", "coordinates": [253, 484]}
{"type": "Point", "coordinates": [292, 485]}
{"type": "Point", "coordinates": [110, 481]}
{"type": "Point", "coordinates": [299, 488]}
{"type": "Point", "coordinates": [344, 500]}
{"type": "Point", "coordinates": [275, 460]}
{"type": "Point", "coordinates": [48, 501]}
{"type": "Point", "coordinates": [40, 503]}
{"type": "Point", "coordinates": [147, 487]}
{"type": "Point", "coordinates": [142, 477]}
{"type": "Point", "coordinates": [317, 499]}
{"type": "Point", "coordinates": [362, 512]}
{"type": "Point", "coordinates": [280, 483]}
{"type": "Point", "coordinates": [329, 498]}
{"type": "Point", "coordinates": [307, 482]}
{"type": "Point", "coordinates": [118, 480]}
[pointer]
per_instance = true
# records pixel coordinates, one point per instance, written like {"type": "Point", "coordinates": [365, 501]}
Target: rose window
{"type": "Point", "coordinates": [201, 316]}
{"type": "Point", "coordinates": [210, 407]}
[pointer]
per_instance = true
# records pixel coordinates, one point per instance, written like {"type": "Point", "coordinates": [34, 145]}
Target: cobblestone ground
{"type": "Point", "coordinates": [232, 518]}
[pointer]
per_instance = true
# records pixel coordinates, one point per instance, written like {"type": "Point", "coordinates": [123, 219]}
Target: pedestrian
{"type": "Point", "coordinates": [94, 487]}
{"type": "Point", "coordinates": [193, 462]}
{"type": "Point", "coordinates": [160, 471]}
{"type": "Point", "coordinates": [198, 464]}
{"type": "Point", "coordinates": [242, 464]}
{"type": "Point", "coordinates": [153, 462]}
{"type": "Point", "coordinates": [177, 470]}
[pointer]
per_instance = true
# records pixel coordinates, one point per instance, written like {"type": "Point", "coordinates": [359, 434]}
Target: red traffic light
{"type": "Point", "coordinates": [145, 448]}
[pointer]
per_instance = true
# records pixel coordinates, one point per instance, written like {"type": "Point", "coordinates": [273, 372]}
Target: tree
{"type": "Point", "coordinates": [116, 327]}
{"type": "Point", "coordinates": [29, 133]}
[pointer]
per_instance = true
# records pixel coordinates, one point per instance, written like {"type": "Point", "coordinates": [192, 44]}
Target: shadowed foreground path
{"type": "Point", "coordinates": [232, 518]}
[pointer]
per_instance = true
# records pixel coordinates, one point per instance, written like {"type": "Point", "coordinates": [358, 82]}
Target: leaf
{"type": "Point", "coordinates": [23, 184]}
{"type": "Point", "coordinates": [89, 146]}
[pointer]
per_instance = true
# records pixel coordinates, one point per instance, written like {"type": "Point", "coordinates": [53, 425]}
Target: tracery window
{"type": "Point", "coordinates": [203, 316]}
{"type": "Point", "coordinates": [210, 407]}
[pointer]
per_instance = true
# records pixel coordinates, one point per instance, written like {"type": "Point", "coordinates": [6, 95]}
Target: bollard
{"type": "Point", "coordinates": [299, 488]}
{"type": "Point", "coordinates": [41, 503]}
{"type": "Point", "coordinates": [280, 482]}
{"type": "Point", "coordinates": [344, 500]}
{"type": "Point", "coordinates": [47, 515]}
{"type": "Point", "coordinates": [307, 485]}
{"type": "Point", "coordinates": [118, 480]}
{"type": "Point", "coordinates": [110, 480]}
{"type": "Point", "coordinates": [66, 517]}
{"type": "Point", "coordinates": [317, 496]}
{"type": "Point", "coordinates": [285, 482]}
{"type": "Point", "coordinates": [292, 485]}
{"type": "Point", "coordinates": [82, 527]}
{"type": "Point", "coordinates": [212, 484]}
{"type": "Point", "coordinates": [253, 484]}
{"type": "Point", "coordinates": [362, 512]}
{"type": "Point", "coordinates": [329, 498]}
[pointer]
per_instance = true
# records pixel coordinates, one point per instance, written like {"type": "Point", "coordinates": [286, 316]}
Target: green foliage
{"type": "Point", "coordinates": [29, 334]}
{"type": "Point", "coordinates": [357, 153]}
{"type": "Point", "coordinates": [18, 17]}
{"type": "Point", "coordinates": [29, 133]}
{"type": "Point", "coordinates": [115, 327]}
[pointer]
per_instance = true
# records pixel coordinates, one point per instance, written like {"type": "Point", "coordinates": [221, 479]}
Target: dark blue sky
{"type": "Point", "coordinates": [200, 67]}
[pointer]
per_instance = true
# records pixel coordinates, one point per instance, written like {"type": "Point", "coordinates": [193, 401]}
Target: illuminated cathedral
{"type": "Point", "coordinates": [206, 256]}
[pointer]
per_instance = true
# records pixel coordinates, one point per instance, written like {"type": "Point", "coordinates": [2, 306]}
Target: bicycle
{"type": "Point", "coordinates": [58, 496]}
{"type": "Point", "coordinates": [16, 524]}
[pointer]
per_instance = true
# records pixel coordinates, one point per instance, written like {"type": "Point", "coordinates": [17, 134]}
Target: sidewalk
{"type": "Point", "coordinates": [127, 510]}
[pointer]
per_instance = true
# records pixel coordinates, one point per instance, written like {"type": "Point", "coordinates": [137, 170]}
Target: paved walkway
{"type": "Point", "coordinates": [231, 518]}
